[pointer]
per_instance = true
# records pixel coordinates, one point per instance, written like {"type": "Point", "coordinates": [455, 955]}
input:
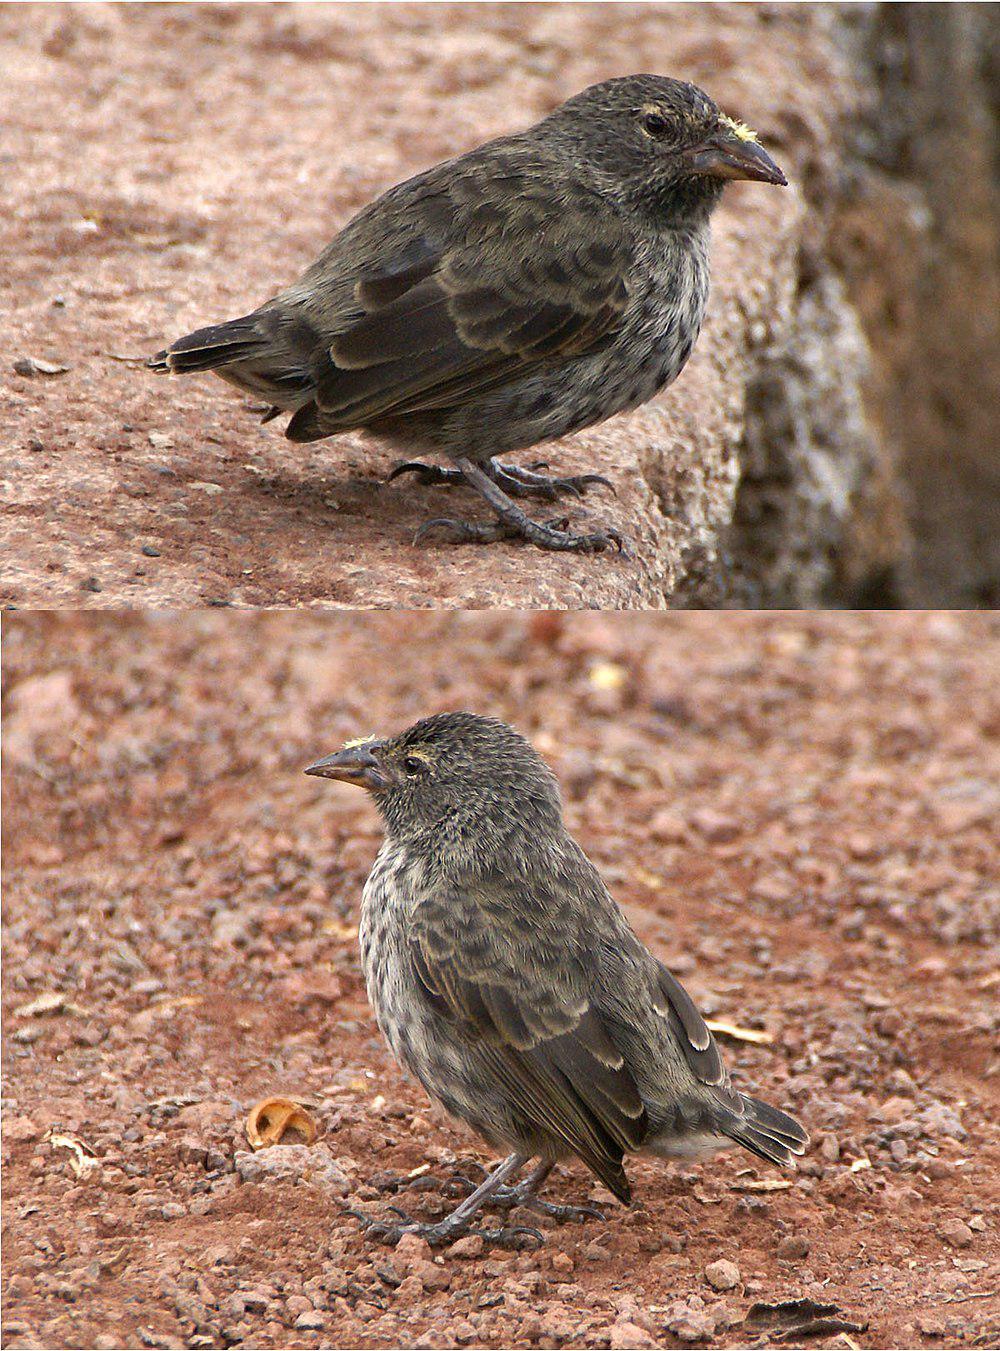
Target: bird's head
{"type": "Point", "coordinates": [656, 136]}
{"type": "Point", "coordinates": [472, 778]}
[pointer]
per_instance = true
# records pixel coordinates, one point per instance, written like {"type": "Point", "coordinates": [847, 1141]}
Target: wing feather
{"type": "Point", "coordinates": [529, 1011]}
{"type": "Point", "coordinates": [485, 290]}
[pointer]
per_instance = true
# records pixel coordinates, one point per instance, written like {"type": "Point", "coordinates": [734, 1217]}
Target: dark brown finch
{"type": "Point", "coordinates": [505, 977]}
{"type": "Point", "coordinates": [527, 289]}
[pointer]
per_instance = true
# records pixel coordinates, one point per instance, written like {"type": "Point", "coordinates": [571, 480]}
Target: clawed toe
{"type": "Point", "coordinates": [566, 1214]}
{"type": "Point", "coordinates": [526, 483]}
{"type": "Point", "coordinates": [427, 474]}
{"type": "Point", "coordinates": [511, 1236]}
{"type": "Point", "coordinates": [445, 1231]}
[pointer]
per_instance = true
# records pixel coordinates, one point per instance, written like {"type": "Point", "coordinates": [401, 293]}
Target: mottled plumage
{"type": "Point", "coordinates": [528, 289]}
{"type": "Point", "coordinates": [504, 976]}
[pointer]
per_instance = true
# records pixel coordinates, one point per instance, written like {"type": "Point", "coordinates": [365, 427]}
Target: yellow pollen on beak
{"type": "Point", "coordinates": [739, 129]}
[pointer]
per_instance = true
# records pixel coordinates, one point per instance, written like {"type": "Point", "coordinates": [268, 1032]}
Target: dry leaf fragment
{"type": "Point", "coordinates": [82, 1158]}
{"type": "Point", "coordinates": [272, 1117]}
{"type": "Point", "coordinates": [36, 366]}
{"type": "Point", "coordinates": [753, 1034]}
{"type": "Point", "coordinates": [763, 1184]}
{"type": "Point", "coordinates": [50, 1002]}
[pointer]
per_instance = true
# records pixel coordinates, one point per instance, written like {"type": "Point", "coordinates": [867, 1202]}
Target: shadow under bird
{"type": "Point", "coordinates": [525, 290]}
{"type": "Point", "coordinates": [507, 980]}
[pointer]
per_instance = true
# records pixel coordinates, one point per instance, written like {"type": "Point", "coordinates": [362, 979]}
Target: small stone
{"type": "Point", "coordinates": [191, 1151]}
{"type": "Point", "coordinates": [292, 1163]}
{"type": "Point", "coordinates": [173, 1210]}
{"type": "Point", "coordinates": [19, 1129]}
{"type": "Point", "coordinates": [956, 1233]}
{"type": "Point", "coordinates": [830, 1148]}
{"type": "Point", "coordinates": [410, 1249]}
{"type": "Point", "coordinates": [722, 1275]}
{"type": "Point", "coordinates": [311, 1321]}
{"type": "Point", "coordinates": [149, 551]}
{"type": "Point", "coordinates": [626, 1336]}
{"type": "Point", "coordinates": [470, 1246]}
{"type": "Point", "coordinates": [793, 1247]}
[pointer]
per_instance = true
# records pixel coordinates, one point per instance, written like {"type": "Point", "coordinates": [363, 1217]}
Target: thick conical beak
{"type": "Point", "coordinates": [729, 156]}
{"type": "Point", "coordinates": [354, 764]}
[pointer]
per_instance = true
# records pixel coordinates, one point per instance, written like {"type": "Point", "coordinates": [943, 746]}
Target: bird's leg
{"type": "Point", "coordinates": [514, 480]}
{"type": "Point", "coordinates": [526, 1194]}
{"type": "Point", "coordinates": [512, 522]}
{"type": "Point", "coordinates": [459, 1221]}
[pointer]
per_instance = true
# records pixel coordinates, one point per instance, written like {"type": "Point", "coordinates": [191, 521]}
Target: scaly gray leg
{"type": "Point", "coordinates": [458, 1222]}
{"type": "Point", "coordinates": [513, 523]}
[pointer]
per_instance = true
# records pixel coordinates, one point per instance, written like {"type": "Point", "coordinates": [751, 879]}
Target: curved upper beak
{"type": "Point", "coordinates": [728, 156]}
{"type": "Point", "coordinates": [354, 764]}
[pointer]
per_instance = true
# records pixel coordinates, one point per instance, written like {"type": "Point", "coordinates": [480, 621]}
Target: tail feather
{"type": "Point", "coordinates": [212, 347]}
{"type": "Point", "coordinates": [767, 1132]}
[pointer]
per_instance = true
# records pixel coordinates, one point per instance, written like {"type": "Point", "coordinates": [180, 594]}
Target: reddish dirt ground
{"type": "Point", "coordinates": [795, 811]}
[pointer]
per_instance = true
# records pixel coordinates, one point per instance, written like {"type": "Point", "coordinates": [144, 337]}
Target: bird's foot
{"type": "Point", "coordinates": [524, 1195]}
{"type": "Point", "coordinates": [443, 1232]}
{"type": "Point", "coordinates": [526, 483]}
{"type": "Point", "coordinates": [516, 481]}
{"type": "Point", "coordinates": [552, 535]}
{"type": "Point", "coordinates": [429, 475]}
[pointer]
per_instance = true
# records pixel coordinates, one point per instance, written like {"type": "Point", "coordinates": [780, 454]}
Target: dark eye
{"type": "Point", "coordinates": [413, 766]}
{"type": "Point", "coordinates": [655, 124]}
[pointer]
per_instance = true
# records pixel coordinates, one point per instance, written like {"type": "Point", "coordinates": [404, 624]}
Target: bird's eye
{"type": "Point", "coordinates": [656, 124]}
{"type": "Point", "coordinates": [413, 765]}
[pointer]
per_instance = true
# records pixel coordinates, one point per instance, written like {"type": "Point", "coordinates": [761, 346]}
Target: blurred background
{"type": "Point", "coordinates": [833, 440]}
{"type": "Point", "coordinates": [798, 813]}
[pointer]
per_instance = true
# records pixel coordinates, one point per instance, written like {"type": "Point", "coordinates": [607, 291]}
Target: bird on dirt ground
{"type": "Point", "coordinates": [506, 979]}
{"type": "Point", "coordinates": [525, 290]}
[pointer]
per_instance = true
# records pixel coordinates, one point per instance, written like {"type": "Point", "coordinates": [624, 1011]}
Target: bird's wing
{"type": "Point", "coordinates": [485, 284]}
{"type": "Point", "coordinates": [672, 1001]}
{"type": "Point", "coordinates": [521, 989]}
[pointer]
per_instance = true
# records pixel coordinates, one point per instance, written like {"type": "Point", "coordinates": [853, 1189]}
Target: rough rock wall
{"type": "Point", "coordinates": [870, 450]}
{"type": "Point", "coordinates": [929, 288]}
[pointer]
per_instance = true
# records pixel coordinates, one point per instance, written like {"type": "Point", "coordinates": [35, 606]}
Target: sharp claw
{"type": "Point", "coordinates": [428, 526]}
{"type": "Point", "coordinates": [599, 478]}
{"type": "Point", "coordinates": [408, 467]}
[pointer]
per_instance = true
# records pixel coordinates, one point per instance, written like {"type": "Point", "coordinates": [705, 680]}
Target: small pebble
{"type": "Point", "coordinates": [793, 1247]}
{"type": "Point", "coordinates": [722, 1275]}
{"type": "Point", "coordinates": [956, 1232]}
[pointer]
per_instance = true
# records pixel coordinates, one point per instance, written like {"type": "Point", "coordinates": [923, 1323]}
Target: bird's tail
{"type": "Point", "coordinates": [766, 1131]}
{"type": "Point", "coordinates": [212, 347]}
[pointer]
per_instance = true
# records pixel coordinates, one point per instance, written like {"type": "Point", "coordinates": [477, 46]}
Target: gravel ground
{"type": "Point", "coordinates": [794, 809]}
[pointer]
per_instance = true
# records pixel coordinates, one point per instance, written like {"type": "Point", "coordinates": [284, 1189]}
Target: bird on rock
{"type": "Point", "coordinates": [525, 290]}
{"type": "Point", "coordinates": [507, 980]}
